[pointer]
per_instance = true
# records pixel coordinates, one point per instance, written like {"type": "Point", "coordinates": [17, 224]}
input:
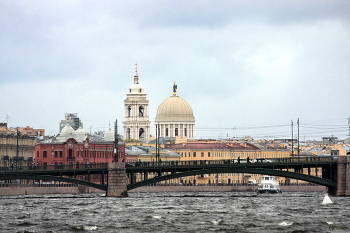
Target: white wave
{"type": "Point", "coordinates": [330, 223]}
{"type": "Point", "coordinates": [86, 228]}
{"type": "Point", "coordinates": [284, 223]}
{"type": "Point", "coordinates": [157, 216]}
{"type": "Point", "coordinates": [216, 222]}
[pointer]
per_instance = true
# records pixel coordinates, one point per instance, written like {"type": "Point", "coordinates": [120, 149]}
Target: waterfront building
{"type": "Point", "coordinates": [136, 122]}
{"type": "Point", "coordinates": [75, 153]}
{"type": "Point", "coordinates": [75, 147]}
{"type": "Point", "coordinates": [16, 149]}
{"type": "Point", "coordinates": [175, 117]}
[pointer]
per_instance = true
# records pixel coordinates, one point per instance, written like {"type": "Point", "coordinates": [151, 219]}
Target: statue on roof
{"type": "Point", "coordinates": [174, 88]}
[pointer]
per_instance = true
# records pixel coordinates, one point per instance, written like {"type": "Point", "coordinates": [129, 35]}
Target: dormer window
{"type": "Point", "coordinates": [140, 90]}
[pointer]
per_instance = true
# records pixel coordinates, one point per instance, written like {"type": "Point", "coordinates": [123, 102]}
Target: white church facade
{"type": "Point", "coordinates": [136, 112]}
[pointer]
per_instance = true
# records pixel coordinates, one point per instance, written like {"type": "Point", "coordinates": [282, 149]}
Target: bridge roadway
{"type": "Point", "coordinates": [153, 173]}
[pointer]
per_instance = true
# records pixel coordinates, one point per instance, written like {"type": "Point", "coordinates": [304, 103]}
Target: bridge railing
{"type": "Point", "coordinates": [232, 161]}
{"type": "Point", "coordinates": [307, 159]}
{"type": "Point", "coordinates": [167, 163]}
{"type": "Point", "coordinates": [54, 167]}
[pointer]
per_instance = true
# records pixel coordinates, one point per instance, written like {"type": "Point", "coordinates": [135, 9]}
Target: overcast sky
{"type": "Point", "coordinates": [245, 67]}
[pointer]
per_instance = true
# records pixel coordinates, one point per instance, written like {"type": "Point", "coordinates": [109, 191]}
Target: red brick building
{"type": "Point", "coordinates": [73, 152]}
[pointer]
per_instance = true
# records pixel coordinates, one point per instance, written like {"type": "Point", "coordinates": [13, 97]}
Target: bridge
{"type": "Point", "coordinates": [117, 178]}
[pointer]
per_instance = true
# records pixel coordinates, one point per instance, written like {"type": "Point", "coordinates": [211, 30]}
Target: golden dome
{"type": "Point", "coordinates": [176, 109]}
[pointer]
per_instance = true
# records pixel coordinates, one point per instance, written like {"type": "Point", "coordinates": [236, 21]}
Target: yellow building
{"type": "Point", "coordinates": [23, 130]}
{"type": "Point", "coordinates": [16, 150]}
{"type": "Point", "coordinates": [221, 150]}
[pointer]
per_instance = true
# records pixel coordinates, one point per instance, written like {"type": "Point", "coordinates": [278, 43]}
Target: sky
{"type": "Point", "coordinates": [247, 68]}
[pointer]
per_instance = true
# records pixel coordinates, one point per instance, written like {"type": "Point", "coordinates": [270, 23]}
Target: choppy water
{"type": "Point", "coordinates": [175, 212]}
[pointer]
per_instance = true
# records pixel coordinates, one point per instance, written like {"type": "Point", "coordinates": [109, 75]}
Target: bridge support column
{"type": "Point", "coordinates": [343, 176]}
{"type": "Point", "coordinates": [117, 185]}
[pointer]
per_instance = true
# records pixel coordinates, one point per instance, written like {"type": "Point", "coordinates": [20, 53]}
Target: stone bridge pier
{"type": "Point", "coordinates": [343, 177]}
{"type": "Point", "coordinates": [117, 182]}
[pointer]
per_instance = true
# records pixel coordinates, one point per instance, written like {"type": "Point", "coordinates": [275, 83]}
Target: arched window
{"type": "Point", "coordinates": [129, 111]}
{"type": "Point", "coordinates": [141, 131]}
{"type": "Point", "coordinates": [128, 133]}
{"type": "Point", "coordinates": [141, 111]}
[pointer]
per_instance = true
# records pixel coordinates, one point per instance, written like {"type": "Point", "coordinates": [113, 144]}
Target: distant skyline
{"type": "Point", "coordinates": [247, 68]}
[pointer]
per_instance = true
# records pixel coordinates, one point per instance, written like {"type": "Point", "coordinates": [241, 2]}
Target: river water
{"type": "Point", "coordinates": [176, 212]}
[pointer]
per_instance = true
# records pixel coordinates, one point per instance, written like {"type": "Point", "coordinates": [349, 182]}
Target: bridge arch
{"type": "Point", "coordinates": [53, 178]}
{"type": "Point", "coordinates": [281, 173]}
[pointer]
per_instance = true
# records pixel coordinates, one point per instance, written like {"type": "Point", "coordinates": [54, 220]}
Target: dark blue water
{"type": "Point", "coordinates": [176, 212]}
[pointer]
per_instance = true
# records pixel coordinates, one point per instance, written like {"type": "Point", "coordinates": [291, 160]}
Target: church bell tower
{"type": "Point", "coordinates": [136, 112]}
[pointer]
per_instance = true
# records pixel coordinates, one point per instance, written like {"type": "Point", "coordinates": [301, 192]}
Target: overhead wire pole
{"type": "Point", "coordinates": [292, 140]}
{"type": "Point", "coordinates": [298, 140]}
{"type": "Point", "coordinates": [116, 159]}
{"type": "Point", "coordinates": [17, 150]}
{"type": "Point", "coordinates": [157, 143]}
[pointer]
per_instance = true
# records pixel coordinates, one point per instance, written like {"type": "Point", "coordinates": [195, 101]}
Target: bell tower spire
{"type": "Point", "coordinates": [136, 76]}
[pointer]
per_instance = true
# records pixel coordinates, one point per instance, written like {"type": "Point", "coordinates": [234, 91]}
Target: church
{"type": "Point", "coordinates": [174, 116]}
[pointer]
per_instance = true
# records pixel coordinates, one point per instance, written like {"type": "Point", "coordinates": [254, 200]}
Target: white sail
{"type": "Point", "coordinates": [326, 200]}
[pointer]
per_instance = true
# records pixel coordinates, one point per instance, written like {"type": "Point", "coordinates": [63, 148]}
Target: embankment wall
{"type": "Point", "coordinates": [28, 190]}
{"type": "Point", "coordinates": [224, 188]}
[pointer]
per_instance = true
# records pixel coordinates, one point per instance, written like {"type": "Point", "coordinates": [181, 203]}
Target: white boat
{"type": "Point", "coordinates": [268, 185]}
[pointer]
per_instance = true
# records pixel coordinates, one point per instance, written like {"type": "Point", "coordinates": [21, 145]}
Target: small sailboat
{"type": "Point", "coordinates": [326, 199]}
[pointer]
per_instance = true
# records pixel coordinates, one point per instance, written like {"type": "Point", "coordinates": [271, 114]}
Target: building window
{"type": "Point", "coordinates": [141, 111]}
{"type": "Point", "coordinates": [44, 154]}
{"type": "Point", "coordinates": [194, 154]}
{"type": "Point", "coordinates": [208, 154]}
{"type": "Point", "coordinates": [202, 154]}
{"type": "Point", "coordinates": [166, 132]}
{"type": "Point", "coordinates": [141, 131]}
{"type": "Point", "coordinates": [61, 154]}
{"type": "Point", "coordinates": [176, 132]}
{"type": "Point", "coordinates": [56, 153]}
{"type": "Point", "coordinates": [129, 111]}
{"type": "Point", "coordinates": [185, 132]}
{"type": "Point", "coordinates": [128, 133]}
